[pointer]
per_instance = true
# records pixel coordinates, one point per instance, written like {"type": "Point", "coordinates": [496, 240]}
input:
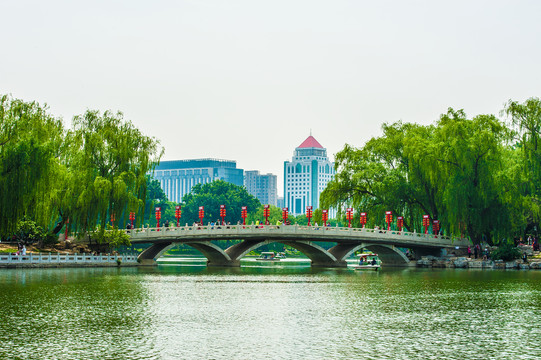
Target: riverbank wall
{"type": "Point", "coordinates": [470, 263]}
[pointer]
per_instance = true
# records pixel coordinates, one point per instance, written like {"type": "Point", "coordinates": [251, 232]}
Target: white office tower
{"type": "Point", "coordinates": [306, 176]}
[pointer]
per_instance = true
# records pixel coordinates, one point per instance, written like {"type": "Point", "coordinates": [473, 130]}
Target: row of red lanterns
{"type": "Point", "coordinates": [309, 214]}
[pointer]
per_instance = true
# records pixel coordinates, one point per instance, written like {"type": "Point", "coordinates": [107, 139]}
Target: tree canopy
{"type": "Point", "coordinates": [465, 172]}
{"type": "Point", "coordinates": [211, 196]}
{"type": "Point", "coordinates": [89, 174]}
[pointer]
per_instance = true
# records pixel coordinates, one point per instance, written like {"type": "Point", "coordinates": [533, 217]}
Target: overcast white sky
{"type": "Point", "coordinates": [247, 80]}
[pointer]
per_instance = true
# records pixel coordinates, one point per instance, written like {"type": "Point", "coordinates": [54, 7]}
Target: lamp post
{"type": "Point", "coordinates": [132, 218]}
{"type": "Point", "coordinates": [309, 214]}
{"type": "Point", "coordinates": [201, 214]}
{"type": "Point", "coordinates": [400, 222]}
{"type": "Point", "coordinates": [285, 213]}
{"type": "Point", "coordinates": [158, 217]}
{"type": "Point", "coordinates": [363, 219]}
{"type": "Point", "coordinates": [324, 216]}
{"type": "Point", "coordinates": [222, 213]}
{"type": "Point", "coordinates": [244, 214]}
{"type": "Point", "coordinates": [178, 214]}
{"type": "Point", "coordinates": [426, 222]}
{"type": "Point", "coordinates": [388, 219]}
{"type": "Point", "coordinates": [266, 213]}
{"type": "Point", "coordinates": [349, 216]}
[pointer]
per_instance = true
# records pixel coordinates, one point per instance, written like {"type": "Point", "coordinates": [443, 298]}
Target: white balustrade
{"type": "Point", "coordinates": [48, 258]}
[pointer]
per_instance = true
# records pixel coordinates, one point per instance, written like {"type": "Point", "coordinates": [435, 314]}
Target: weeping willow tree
{"type": "Point", "coordinates": [30, 141]}
{"type": "Point", "coordinates": [106, 161]}
{"type": "Point", "coordinates": [526, 120]}
{"type": "Point", "coordinates": [455, 171]}
{"type": "Point", "coordinates": [385, 175]}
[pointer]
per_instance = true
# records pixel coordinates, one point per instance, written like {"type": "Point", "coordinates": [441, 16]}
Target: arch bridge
{"type": "Point", "coordinates": [306, 239]}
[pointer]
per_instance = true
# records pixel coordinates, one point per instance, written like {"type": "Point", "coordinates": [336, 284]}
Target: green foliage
{"type": "Point", "coordinates": [455, 171]}
{"type": "Point", "coordinates": [107, 160]}
{"type": "Point", "coordinates": [113, 237]}
{"type": "Point", "coordinates": [30, 140]}
{"type": "Point", "coordinates": [95, 170]}
{"type": "Point", "coordinates": [506, 252]}
{"type": "Point", "coordinates": [275, 215]}
{"type": "Point", "coordinates": [29, 232]}
{"type": "Point", "coordinates": [211, 196]}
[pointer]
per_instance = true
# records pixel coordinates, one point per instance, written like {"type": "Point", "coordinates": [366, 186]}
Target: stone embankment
{"type": "Point", "coordinates": [469, 263]}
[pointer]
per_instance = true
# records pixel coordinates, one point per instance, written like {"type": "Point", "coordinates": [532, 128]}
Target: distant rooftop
{"type": "Point", "coordinates": [310, 142]}
{"type": "Point", "coordinates": [196, 163]}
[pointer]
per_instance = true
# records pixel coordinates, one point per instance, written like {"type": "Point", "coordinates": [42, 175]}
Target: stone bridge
{"type": "Point", "coordinates": [303, 238]}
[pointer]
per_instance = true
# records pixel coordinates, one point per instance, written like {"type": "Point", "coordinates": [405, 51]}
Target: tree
{"type": "Point", "coordinates": [107, 159]}
{"type": "Point", "coordinates": [211, 196]}
{"type": "Point", "coordinates": [155, 197]}
{"type": "Point", "coordinates": [30, 140]}
{"type": "Point", "coordinates": [526, 119]}
{"type": "Point", "coordinates": [452, 171]}
{"type": "Point", "coordinates": [467, 157]}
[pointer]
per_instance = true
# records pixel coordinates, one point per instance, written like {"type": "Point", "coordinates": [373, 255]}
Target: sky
{"type": "Point", "coordinates": [249, 80]}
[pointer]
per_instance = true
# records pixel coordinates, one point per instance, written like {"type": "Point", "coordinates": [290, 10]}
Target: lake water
{"type": "Point", "coordinates": [269, 311]}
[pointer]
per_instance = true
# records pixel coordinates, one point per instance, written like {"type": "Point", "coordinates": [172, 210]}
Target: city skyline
{"type": "Point", "coordinates": [247, 81]}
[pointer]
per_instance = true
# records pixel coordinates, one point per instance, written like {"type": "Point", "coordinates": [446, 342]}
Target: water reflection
{"type": "Point", "coordinates": [171, 312]}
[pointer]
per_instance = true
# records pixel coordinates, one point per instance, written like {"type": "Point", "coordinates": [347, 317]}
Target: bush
{"type": "Point", "coordinates": [506, 252]}
{"type": "Point", "coordinates": [28, 232]}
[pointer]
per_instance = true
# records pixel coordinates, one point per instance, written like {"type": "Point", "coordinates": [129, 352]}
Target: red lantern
{"type": "Point", "coordinates": [426, 222]}
{"type": "Point", "coordinates": [400, 222]}
{"type": "Point", "coordinates": [349, 216]}
{"type": "Point", "coordinates": [324, 216]}
{"type": "Point", "coordinates": [158, 217]}
{"type": "Point", "coordinates": [388, 219]}
{"type": "Point", "coordinates": [132, 217]}
{"type": "Point", "coordinates": [363, 219]}
{"type": "Point", "coordinates": [266, 213]}
{"type": "Point", "coordinates": [201, 214]}
{"type": "Point", "coordinates": [436, 226]}
{"type": "Point", "coordinates": [222, 213]}
{"type": "Point", "coordinates": [178, 213]}
{"type": "Point", "coordinates": [285, 213]}
{"type": "Point", "coordinates": [309, 214]}
{"type": "Point", "coordinates": [244, 214]}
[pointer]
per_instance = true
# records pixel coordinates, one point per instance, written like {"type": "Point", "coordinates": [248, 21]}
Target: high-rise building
{"type": "Point", "coordinates": [177, 177]}
{"type": "Point", "coordinates": [306, 176]}
{"type": "Point", "coordinates": [262, 186]}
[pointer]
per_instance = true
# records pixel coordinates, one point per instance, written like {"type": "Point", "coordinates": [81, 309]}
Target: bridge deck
{"type": "Point", "coordinates": [294, 232]}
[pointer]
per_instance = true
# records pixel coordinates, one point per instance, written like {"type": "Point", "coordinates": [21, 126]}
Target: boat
{"type": "Point", "coordinates": [368, 261]}
{"type": "Point", "coordinates": [271, 256]}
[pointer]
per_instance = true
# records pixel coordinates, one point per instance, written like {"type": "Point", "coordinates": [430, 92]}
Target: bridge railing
{"type": "Point", "coordinates": [327, 231]}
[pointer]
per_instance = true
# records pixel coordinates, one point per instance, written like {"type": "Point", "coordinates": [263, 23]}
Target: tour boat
{"type": "Point", "coordinates": [271, 256]}
{"type": "Point", "coordinates": [366, 262]}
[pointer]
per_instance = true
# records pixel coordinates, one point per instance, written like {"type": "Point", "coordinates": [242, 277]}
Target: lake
{"type": "Point", "coordinates": [269, 311]}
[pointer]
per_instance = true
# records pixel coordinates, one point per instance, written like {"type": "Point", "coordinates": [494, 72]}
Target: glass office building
{"type": "Point", "coordinates": [177, 177]}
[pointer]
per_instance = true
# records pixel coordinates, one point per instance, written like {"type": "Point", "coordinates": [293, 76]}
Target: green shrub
{"type": "Point", "coordinates": [506, 252]}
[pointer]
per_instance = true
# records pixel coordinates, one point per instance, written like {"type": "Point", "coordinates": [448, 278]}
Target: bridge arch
{"type": "Point", "coordinates": [318, 255]}
{"type": "Point", "coordinates": [231, 256]}
{"type": "Point", "coordinates": [388, 254]}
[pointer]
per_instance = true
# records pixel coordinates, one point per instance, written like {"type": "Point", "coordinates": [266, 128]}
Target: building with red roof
{"type": "Point", "coordinates": [306, 176]}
